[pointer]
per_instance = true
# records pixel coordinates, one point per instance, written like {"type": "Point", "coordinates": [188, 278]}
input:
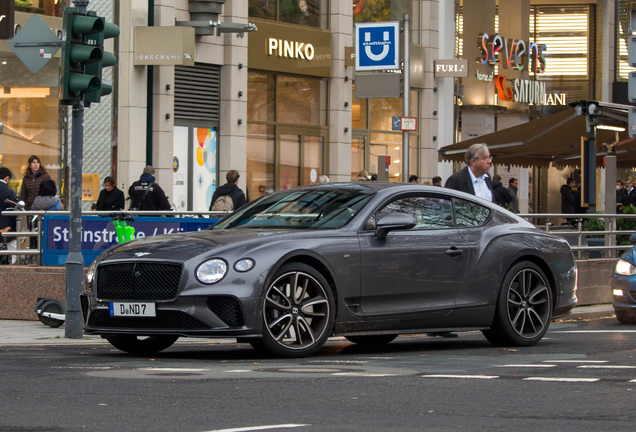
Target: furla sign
{"type": "Point", "coordinates": [451, 68]}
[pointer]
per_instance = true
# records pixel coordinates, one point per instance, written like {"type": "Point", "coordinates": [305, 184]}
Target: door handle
{"type": "Point", "coordinates": [453, 251]}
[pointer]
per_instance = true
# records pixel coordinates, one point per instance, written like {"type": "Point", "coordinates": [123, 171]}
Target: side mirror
{"type": "Point", "coordinates": [632, 238]}
{"type": "Point", "coordinates": [393, 222]}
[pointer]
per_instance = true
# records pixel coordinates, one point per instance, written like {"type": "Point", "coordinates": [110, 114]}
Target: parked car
{"type": "Point", "coordinates": [624, 287]}
{"type": "Point", "coordinates": [367, 261]}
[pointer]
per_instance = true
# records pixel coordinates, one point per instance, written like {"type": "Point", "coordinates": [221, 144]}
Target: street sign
{"type": "Point", "coordinates": [396, 123]}
{"type": "Point", "coordinates": [408, 124]}
{"type": "Point", "coordinates": [377, 46]}
{"type": "Point", "coordinates": [457, 68]}
{"type": "Point", "coordinates": [35, 44]}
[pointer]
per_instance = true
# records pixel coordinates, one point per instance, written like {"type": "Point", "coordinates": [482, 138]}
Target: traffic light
{"type": "Point", "coordinates": [77, 52]}
{"type": "Point", "coordinates": [107, 59]}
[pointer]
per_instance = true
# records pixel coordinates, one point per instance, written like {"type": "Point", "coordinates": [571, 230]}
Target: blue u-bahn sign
{"type": "Point", "coordinates": [377, 46]}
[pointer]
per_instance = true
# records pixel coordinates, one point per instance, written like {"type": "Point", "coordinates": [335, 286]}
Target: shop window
{"type": "Point", "coordinates": [313, 159]}
{"type": "Point", "coordinates": [260, 160]}
{"type": "Point", "coordinates": [382, 144]}
{"type": "Point", "coordinates": [261, 94]}
{"type": "Point", "coordinates": [41, 7]}
{"type": "Point", "coordinates": [357, 155]}
{"type": "Point", "coordinates": [301, 100]}
{"type": "Point", "coordinates": [358, 112]}
{"type": "Point", "coordinates": [311, 13]}
{"type": "Point", "coordinates": [381, 112]}
{"type": "Point", "coordinates": [289, 161]}
{"type": "Point", "coordinates": [623, 11]}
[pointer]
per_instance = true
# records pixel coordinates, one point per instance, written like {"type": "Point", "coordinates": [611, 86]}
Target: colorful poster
{"type": "Point", "coordinates": [180, 168]}
{"type": "Point", "coordinates": [204, 167]}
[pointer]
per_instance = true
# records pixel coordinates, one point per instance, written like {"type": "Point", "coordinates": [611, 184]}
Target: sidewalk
{"type": "Point", "coordinates": [15, 332]}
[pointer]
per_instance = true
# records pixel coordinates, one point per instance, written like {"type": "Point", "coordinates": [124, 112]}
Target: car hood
{"type": "Point", "coordinates": [184, 246]}
{"type": "Point", "coordinates": [629, 256]}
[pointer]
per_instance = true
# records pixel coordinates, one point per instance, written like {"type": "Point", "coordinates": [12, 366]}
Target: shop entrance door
{"type": "Point", "coordinates": [300, 156]}
{"type": "Point", "coordinates": [359, 144]}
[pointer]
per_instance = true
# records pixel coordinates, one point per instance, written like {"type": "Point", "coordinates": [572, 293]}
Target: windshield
{"type": "Point", "coordinates": [303, 209]}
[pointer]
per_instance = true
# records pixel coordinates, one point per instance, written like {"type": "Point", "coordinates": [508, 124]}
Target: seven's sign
{"type": "Point", "coordinates": [377, 46]}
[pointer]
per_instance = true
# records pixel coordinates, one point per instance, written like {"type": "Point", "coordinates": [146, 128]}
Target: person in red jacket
{"type": "Point", "coordinates": [35, 174]}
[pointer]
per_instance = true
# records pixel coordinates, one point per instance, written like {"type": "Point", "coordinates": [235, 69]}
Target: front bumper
{"type": "Point", "coordinates": [187, 316]}
{"type": "Point", "coordinates": [627, 285]}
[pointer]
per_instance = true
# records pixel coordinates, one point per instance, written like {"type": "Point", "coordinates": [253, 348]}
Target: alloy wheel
{"type": "Point", "coordinates": [528, 303]}
{"type": "Point", "coordinates": [296, 310]}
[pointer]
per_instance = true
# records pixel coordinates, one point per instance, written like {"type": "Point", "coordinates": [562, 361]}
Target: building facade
{"type": "Point", "coordinates": [278, 104]}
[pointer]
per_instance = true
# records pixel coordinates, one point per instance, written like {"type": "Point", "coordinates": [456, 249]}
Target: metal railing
{"type": "Point", "coordinates": [25, 255]}
{"type": "Point", "coordinates": [575, 234]}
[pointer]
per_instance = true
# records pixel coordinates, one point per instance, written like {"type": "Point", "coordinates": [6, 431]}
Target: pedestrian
{"type": "Point", "coordinates": [34, 175]}
{"type": "Point", "coordinates": [228, 197]}
{"type": "Point", "coordinates": [362, 176]}
{"type": "Point", "coordinates": [47, 197]}
{"type": "Point", "coordinates": [7, 223]}
{"type": "Point", "coordinates": [474, 178]}
{"type": "Point", "coordinates": [110, 198]}
{"type": "Point", "coordinates": [145, 194]}
{"type": "Point", "coordinates": [414, 179]}
{"type": "Point", "coordinates": [437, 181]}
{"type": "Point", "coordinates": [427, 183]}
{"type": "Point", "coordinates": [502, 196]}
{"type": "Point", "coordinates": [620, 190]}
{"type": "Point", "coordinates": [567, 197]}
{"type": "Point", "coordinates": [374, 177]}
{"type": "Point", "coordinates": [513, 187]}
{"type": "Point", "coordinates": [629, 196]}
{"type": "Point", "coordinates": [323, 179]}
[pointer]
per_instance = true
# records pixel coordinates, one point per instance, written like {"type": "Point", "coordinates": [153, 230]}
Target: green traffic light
{"type": "Point", "coordinates": [86, 25]}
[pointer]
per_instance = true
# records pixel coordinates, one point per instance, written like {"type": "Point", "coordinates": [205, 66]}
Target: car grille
{"type": "Point", "coordinates": [138, 281]}
{"type": "Point", "coordinates": [165, 320]}
{"type": "Point", "coordinates": [84, 305]}
{"type": "Point", "coordinates": [228, 309]}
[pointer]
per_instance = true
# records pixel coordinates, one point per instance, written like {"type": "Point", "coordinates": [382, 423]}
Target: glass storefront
{"type": "Point", "coordinates": [371, 122]}
{"type": "Point", "coordinates": [623, 11]}
{"type": "Point", "coordinates": [286, 131]}
{"type": "Point", "coordinates": [302, 12]}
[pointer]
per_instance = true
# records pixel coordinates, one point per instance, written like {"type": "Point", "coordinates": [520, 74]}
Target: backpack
{"type": "Point", "coordinates": [223, 203]}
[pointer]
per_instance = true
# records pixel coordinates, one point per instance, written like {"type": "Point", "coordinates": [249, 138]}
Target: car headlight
{"type": "Point", "coordinates": [244, 265]}
{"type": "Point", "coordinates": [625, 268]}
{"type": "Point", "coordinates": [211, 271]}
{"type": "Point", "coordinates": [90, 275]}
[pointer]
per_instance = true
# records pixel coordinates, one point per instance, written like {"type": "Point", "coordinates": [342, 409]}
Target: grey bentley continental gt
{"type": "Point", "coordinates": [367, 261]}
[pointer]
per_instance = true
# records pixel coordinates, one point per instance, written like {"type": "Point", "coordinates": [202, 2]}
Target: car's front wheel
{"type": "Point", "coordinates": [625, 316]}
{"type": "Point", "coordinates": [141, 345]}
{"type": "Point", "coordinates": [524, 307]}
{"type": "Point", "coordinates": [298, 311]}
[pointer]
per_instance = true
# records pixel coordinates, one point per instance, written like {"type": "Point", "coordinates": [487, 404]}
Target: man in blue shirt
{"type": "Point", "coordinates": [474, 178]}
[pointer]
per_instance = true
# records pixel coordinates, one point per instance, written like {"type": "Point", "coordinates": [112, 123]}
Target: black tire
{"type": "Point", "coordinates": [524, 307]}
{"type": "Point", "coordinates": [146, 346]}
{"type": "Point", "coordinates": [371, 340]}
{"type": "Point", "coordinates": [625, 316]}
{"type": "Point", "coordinates": [298, 311]}
{"type": "Point", "coordinates": [51, 322]}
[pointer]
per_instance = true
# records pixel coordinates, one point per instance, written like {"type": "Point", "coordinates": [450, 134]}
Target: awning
{"type": "Point", "coordinates": [553, 139]}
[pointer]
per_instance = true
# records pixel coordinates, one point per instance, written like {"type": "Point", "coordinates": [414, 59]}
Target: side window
{"type": "Point", "coordinates": [428, 212]}
{"type": "Point", "coordinates": [469, 214]}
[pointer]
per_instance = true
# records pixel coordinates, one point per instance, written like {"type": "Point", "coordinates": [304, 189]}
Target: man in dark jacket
{"type": "Point", "coordinates": [629, 196]}
{"type": "Point", "coordinates": [502, 196]}
{"type": "Point", "coordinates": [512, 190]}
{"type": "Point", "coordinates": [230, 189]}
{"type": "Point", "coordinates": [474, 179]}
{"type": "Point", "coordinates": [567, 197]}
{"type": "Point", "coordinates": [110, 198]}
{"type": "Point", "coordinates": [7, 223]}
{"type": "Point", "coordinates": [145, 194]}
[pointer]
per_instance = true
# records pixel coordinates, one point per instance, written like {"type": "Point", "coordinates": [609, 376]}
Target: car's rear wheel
{"type": "Point", "coordinates": [626, 316]}
{"type": "Point", "coordinates": [298, 311]}
{"type": "Point", "coordinates": [372, 339]}
{"type": "Point", "coordinates": [141, 345]}
{"type": "Point", "coordinates": [524, 307]}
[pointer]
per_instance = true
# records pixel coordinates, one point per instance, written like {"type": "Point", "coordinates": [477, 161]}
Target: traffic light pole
{"type": "Point", "coordinates": [75, 261]}
{"type": "Point", "coordinates": [406, 104]}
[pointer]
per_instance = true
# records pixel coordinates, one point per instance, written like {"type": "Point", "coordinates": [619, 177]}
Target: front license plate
{"type": "Point", "coordinates": [132, 309]}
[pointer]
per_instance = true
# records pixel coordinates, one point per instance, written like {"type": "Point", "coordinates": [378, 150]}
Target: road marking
{"type": "Point", "coordinates": [362, 374]}
{"type": "Point", "coordinates": [595, 331]}
{"type": "Point", "coordinates": [562, 379]}
{"type": "Point", "coordinates": [338, 361]}
{"type": "Point", "coordinates": [575, 361]}
{"type": "Point", "coordinates": [157, 369]}
{"type": "Point", "coordinates": [527, 365]}
{"type": "Point", "coordinates": [257, 428]}
{"type": "Point", "coordinates": [605, 367]}
{"type": "Point", "coordinates": [634, 381]}
{"type": "Point", "coordinates": [462, 376]}
{"type": "Point", "coordinates": [238, 371]}
{"type": "Point", "coordinates": [82, 367]}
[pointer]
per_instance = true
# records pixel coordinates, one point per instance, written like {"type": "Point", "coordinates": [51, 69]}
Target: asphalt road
{"type": "Point", "coordinates": [581, 377]}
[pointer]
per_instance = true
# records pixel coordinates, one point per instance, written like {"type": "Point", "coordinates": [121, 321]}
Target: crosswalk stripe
{"type": "Point", "coordinates": [527, 366]}
{"type": "Point", "coordinates": [575, 361]}
{"type": "Point", "coordinates": [562, 379]}
{"type": "Point", "coordinates": [605, 367]}
{"type": "Point", "coordinates": [461, 376]}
